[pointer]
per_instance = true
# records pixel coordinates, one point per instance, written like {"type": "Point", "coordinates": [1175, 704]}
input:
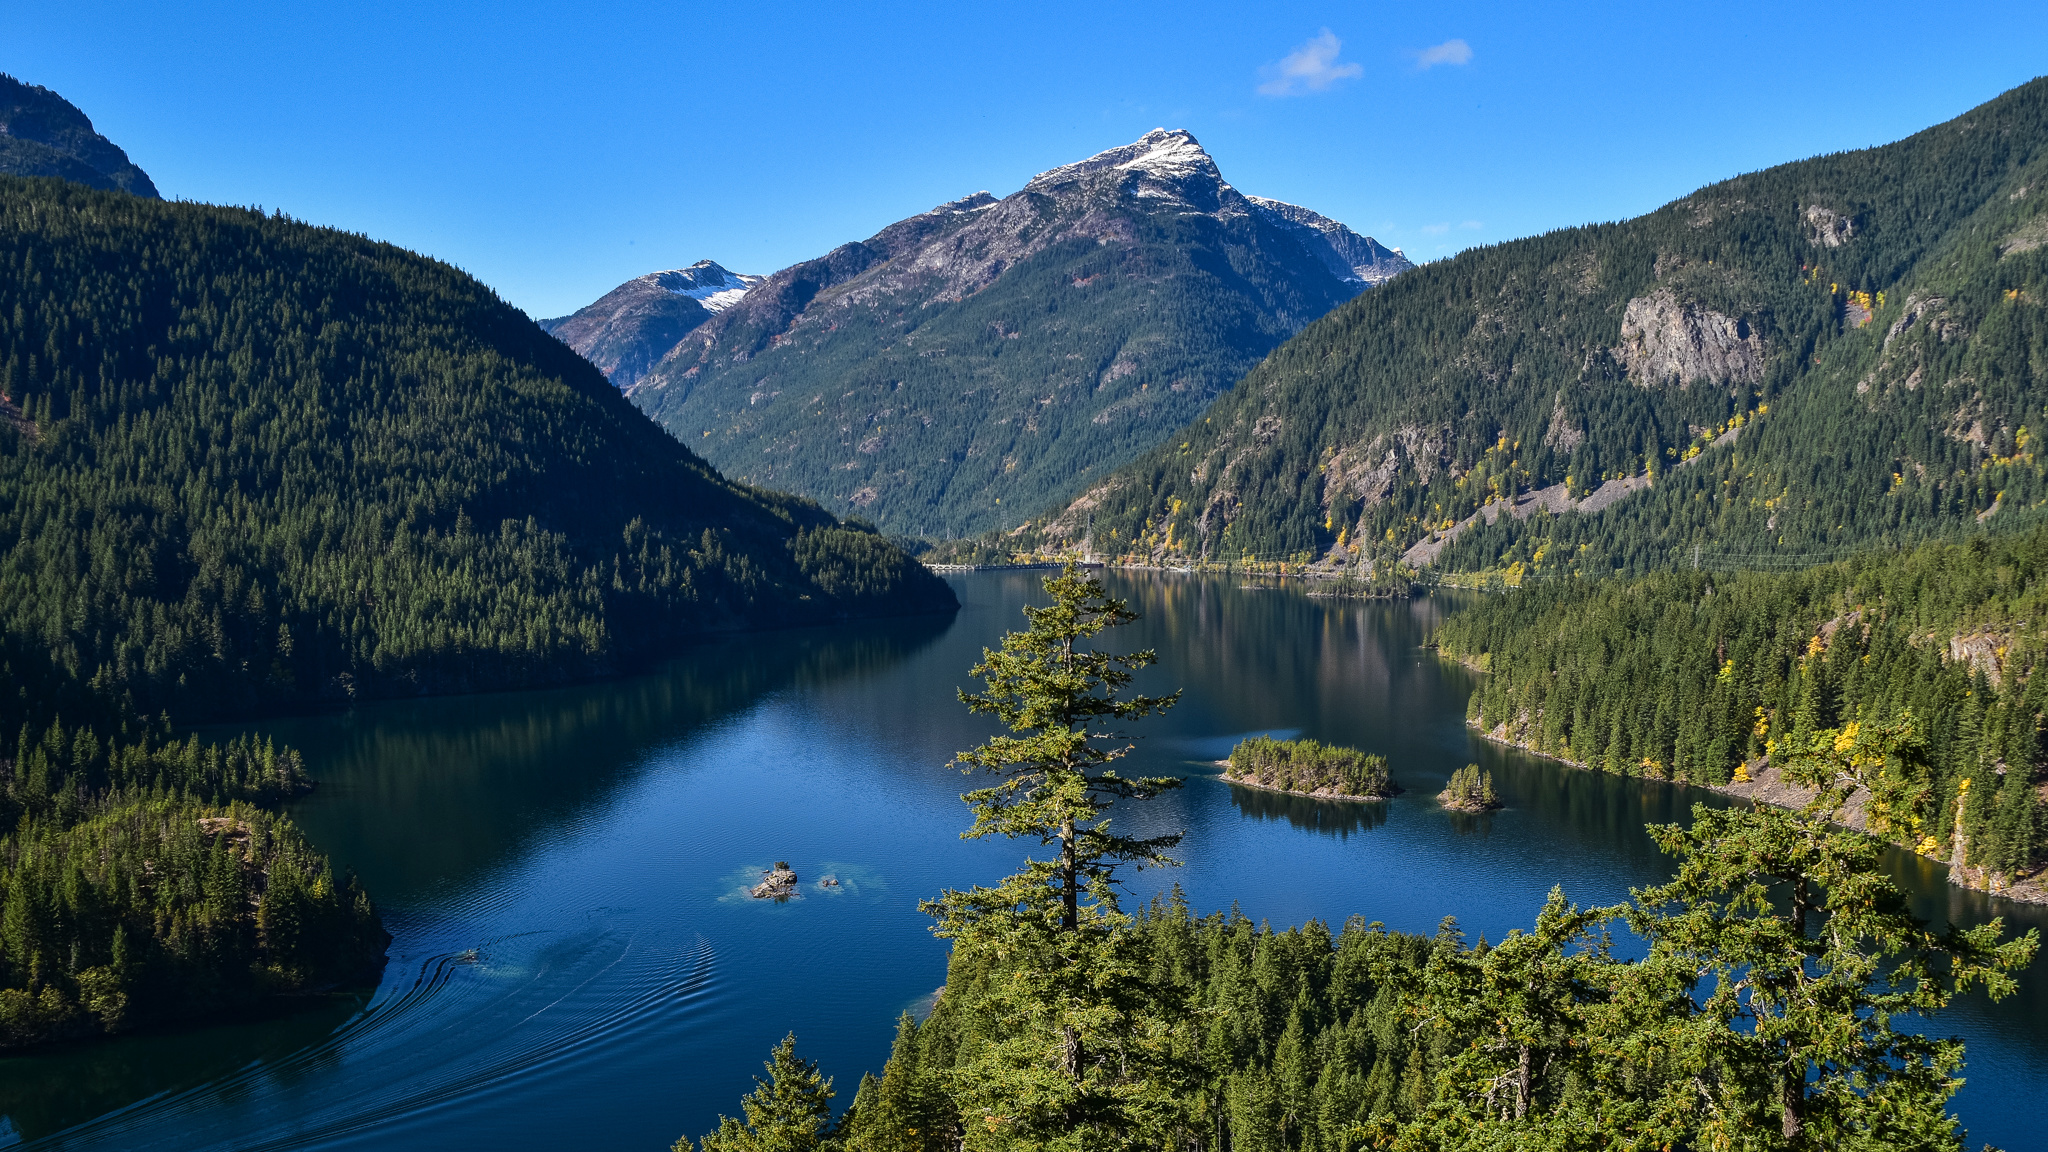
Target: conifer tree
{"type": "Point", "coordinates": [896, 1112]}
{"type": "Point", "coordinates": [1527, 1003]}
{"type": "Point", "coordinates": [1800, 952]}
{"type": "Point", "coordinates": [1072, 1048]}
{"type": "Point", "coordinates": [788, 1112]}
{"type": "Point", "coordinates": [1057, 783]}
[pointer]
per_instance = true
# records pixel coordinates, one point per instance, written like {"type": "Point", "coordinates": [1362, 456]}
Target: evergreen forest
{"type": "Point", "coordinates": [1701, 676]}
{"type": "Point", "coordinates": [146, 879]}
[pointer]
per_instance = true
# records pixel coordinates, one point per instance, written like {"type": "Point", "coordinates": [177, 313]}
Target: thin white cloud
{"type": "Point", "coordinates": [1448, 52]}
{"type": "Point", "coordinates": [1436, 229]}
{"type": "Point", "coordinates": [1472, 224]}
{"type": "Point", "coordinates": [1312, 67]}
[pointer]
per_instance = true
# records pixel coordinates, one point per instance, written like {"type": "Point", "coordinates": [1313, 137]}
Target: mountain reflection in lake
{"type": "Point", "coordinates": [571, 969]}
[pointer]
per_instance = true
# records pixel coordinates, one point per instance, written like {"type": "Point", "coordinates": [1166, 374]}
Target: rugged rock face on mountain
{"type": "Point", "coordinates": [1829, 228]}
{"type": "Point", "coordinates": [1826, 354]}
{"type": "Point", "coordinates": [1666, 340]}
{"type": "Point", "coordinates": [993, 354]}
{"type": "Point", "coordinates": [43, 134]}
{"type": "Point", "coordinates": [634, 325]}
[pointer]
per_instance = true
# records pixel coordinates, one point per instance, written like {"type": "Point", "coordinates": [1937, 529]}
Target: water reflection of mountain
{"type": "Point", "coordinates": [1339, 818]}
{"type": "Point", "coordinates": [436, 790]}
{"type": "Point", "coordinates": [1248, 658]}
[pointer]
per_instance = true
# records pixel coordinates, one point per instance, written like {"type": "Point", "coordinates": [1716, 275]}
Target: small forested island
{"type": "Point", "coordinates": [1470, 790]}
{"type": "Point", "coordinates": [1307, 768]}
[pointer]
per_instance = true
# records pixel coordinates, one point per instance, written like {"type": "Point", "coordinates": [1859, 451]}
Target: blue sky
{"type": "Point", "coordinates": [556, 150]}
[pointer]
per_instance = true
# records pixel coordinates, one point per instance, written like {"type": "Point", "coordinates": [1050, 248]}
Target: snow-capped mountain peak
{"type": "Point", "coordinates": [705, 282]}
{"type": "Point", "coordinates": [1164, 154]}
{"type": "Point", "coordinates": [979, 202]}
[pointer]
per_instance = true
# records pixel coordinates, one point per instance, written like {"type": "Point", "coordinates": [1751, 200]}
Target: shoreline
{"type": "Point", "coordinates": [1767, 786]}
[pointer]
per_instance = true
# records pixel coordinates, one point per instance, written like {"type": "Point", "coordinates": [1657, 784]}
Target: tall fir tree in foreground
{"type": "Point", "coordinates": [1074, 1050]}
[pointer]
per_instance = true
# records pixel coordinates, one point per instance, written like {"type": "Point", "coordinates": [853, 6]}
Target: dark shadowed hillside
{"type": "Point", "coordinates": [43, 134]}
{"type": "Point", "coordinates": [248, 464]}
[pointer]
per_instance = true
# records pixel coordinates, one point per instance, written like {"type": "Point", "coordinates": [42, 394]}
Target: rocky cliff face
{"type": "Point", "coordinates": [990, 354]}
{"type": "Point", "coordinates": [1665, 340]}
{"type": "Point", "coordinates": [631, 327]}
{"type": "Point", "coordinates": [43, 134]}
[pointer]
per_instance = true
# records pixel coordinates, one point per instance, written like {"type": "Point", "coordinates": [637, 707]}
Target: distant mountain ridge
{"type": "Point", "coordinates": [631, 327]}
{"type": "Point", "coordinates": [43, 134]}
{"type": "Point", "coordinates": [1346, 253]}
{"type": "Point", "coordinates": [993, 353]}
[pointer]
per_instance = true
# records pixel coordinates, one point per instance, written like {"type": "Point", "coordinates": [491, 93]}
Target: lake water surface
{"type": "Point", "coordinates": [574, 963]}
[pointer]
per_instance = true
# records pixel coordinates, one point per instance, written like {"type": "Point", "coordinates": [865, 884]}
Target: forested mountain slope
{"type": "Point", "coordinates": [966, 365]}
{"type": "Point", "coordinates": [1691, 675]}
{"type": "Point", "coordinates": [249, 464]}
{"type": "Point", "coordinates": [43, 134]}
{"type": "Point", "coordinates": [1847, 349]}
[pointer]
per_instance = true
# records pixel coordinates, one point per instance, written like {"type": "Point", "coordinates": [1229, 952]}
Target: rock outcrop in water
{"type": "Point", "coordinates": [778, 883]}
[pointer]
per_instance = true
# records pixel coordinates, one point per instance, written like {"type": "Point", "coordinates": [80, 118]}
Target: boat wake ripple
{"type": "Point", "coordinates": [470, 1025]}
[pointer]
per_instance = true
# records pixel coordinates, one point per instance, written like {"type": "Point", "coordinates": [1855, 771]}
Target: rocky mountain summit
{"type": "Point", "coordinates": [993, 353]}
{"type": "Point", "coordinates": [43, 134]}
{"type": "Point", "coordinates": [631, 327]}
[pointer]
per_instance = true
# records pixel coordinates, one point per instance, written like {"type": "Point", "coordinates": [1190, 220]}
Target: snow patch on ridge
{"type": "Point", "coordinates": [707, 283]}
